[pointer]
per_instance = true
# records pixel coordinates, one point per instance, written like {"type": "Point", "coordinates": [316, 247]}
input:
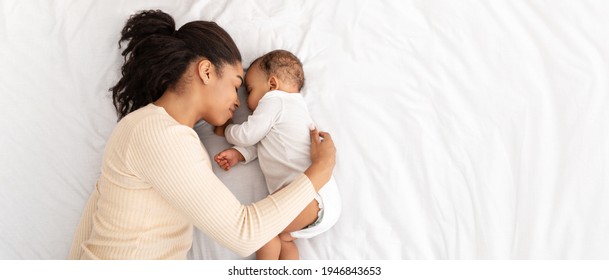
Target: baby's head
{"type": "Point", "coordinates": [276, 70]}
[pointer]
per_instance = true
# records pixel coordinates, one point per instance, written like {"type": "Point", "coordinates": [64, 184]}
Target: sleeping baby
{"type": "Point", "coordinates": [277, 133]}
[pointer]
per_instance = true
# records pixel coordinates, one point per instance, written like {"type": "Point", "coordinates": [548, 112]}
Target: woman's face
{"type": "Point", "coordinates": [223, 99]}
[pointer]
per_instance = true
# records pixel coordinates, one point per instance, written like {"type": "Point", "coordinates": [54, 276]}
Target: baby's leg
{"type": "Point", "coordinates": [305, 218]}
{"type": "Point", "coordinates": [289, 251]}
{"type": "Point", "coordinates": [270, 250]}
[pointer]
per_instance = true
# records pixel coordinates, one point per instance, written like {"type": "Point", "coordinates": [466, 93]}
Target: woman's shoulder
{"type": "Point", "coordinates": [151, 121]}
{"type": "Point", "coordinates": [149, 116]}
{"type": "Point", "coordinates": [146, 113]}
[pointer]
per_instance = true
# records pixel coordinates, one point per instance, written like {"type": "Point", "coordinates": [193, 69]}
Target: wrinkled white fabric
{"type": "Point", "coordinates": [464, 130]}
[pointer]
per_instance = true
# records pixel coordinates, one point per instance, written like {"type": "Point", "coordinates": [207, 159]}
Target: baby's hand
{"type": "Point", "coordinates": [219, 130]}
{"type": "Point", "coordinates": [228, 158]}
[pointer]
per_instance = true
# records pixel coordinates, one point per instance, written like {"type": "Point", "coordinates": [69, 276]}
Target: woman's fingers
{"type": "Point", "coordinates": [322, 145]}
{"type": "Point", "coordinates": [315, 136]}
{"type": "Point", "coordinates": [321, 136]}
{"type": "Point", "coordinates": [325, 136]}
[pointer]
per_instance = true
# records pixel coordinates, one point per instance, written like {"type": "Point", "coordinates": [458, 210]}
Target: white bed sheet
{"type": "Point", "coordinates": [464, 129]}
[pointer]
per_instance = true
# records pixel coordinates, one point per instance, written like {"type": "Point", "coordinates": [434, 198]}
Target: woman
{"type": "Point", "coordinates": [156, 179]}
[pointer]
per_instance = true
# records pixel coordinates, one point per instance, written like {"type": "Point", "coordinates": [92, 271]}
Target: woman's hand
{"type": "Point", "coordinates": [323, 158]}
{"type": "Point", "coordinates": [322, 148]}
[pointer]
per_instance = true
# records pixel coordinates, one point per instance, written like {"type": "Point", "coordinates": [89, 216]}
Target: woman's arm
{"type": "Point", "coordinates": [323, 159]}
{"type": "Point", "coordinates": [174, 162]}
{"type": "Point", "coordinates": [83, 231]}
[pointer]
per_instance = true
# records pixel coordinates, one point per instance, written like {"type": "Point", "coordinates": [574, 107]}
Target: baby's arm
{"type": "Point", "coordinates": [257, 125]}
{"type": "Point", "coordinates": [230, 157]}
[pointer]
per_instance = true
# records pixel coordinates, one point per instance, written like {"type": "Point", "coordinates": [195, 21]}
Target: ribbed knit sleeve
{"type": "Point", "coordinates": [170, 157]}
{"type": "Point", "coordinates": [83, 231]}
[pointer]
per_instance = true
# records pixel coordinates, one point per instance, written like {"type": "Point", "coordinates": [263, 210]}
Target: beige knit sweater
{"type": "Point", "coordinates": [156, 182]}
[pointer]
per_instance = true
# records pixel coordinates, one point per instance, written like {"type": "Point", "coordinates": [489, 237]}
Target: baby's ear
{"type": "Point", "coordinates": [273, 83]}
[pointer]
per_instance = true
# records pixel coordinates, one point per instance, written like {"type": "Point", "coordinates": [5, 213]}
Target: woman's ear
{"type": "Point", "coordinates": [273, 83]}
{"type": "Point", "coordinates": [204, 68]}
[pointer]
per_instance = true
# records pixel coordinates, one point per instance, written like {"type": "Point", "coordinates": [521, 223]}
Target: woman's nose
{"type": "Point", "coordinates": [237, 102]}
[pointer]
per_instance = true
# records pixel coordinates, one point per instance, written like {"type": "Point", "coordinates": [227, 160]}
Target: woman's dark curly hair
{"type": "Point", "coordinates": [157, 56]}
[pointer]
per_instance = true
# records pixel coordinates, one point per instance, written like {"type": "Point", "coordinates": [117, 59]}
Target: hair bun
{"type": "Point", "coordinates": [144, 24]}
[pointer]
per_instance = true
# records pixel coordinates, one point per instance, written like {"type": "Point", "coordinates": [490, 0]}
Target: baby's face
{"type": "Point", "coordinates": [256, 84]}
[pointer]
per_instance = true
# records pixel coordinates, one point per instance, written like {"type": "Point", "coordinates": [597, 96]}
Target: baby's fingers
{"type": "Point", "coordinates": [226, 166]}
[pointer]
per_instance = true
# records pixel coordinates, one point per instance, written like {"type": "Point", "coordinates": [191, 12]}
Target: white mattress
{"type": "Point", "coordinates": [464, 129]}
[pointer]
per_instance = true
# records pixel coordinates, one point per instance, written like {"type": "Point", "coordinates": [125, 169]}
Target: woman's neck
{"type": "Point", "coordinates": [178, 107]}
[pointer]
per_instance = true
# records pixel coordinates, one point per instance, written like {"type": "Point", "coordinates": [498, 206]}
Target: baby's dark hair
{"type": "Point", "coordinates": [157, 56]}
{"type": "Point", "coordinates": [283, 64]}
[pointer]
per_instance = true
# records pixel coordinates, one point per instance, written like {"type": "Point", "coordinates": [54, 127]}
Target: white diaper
{"type": "Point", "coordinates": [330, 207]}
